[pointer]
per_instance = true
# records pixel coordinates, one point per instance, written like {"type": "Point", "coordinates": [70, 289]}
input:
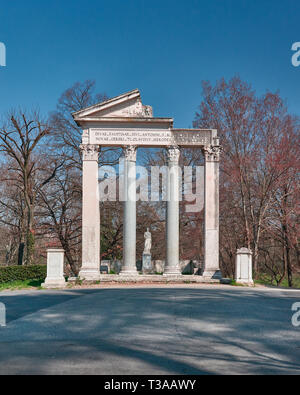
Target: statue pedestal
{"type": "Point", "coordinates": [147, 264]}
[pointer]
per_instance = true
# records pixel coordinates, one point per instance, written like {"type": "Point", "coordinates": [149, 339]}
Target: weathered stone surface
{"type": "Point", "coordinates": [172, 214]}
{"type": "Point", "coordinates": [2, 314]}
{"type": "Point", "coordinates": [124, 121]}
{"type": "Point", "coordinates": [105, 266]}
{"type": "Point", "coordinates": [90, 269]}
{"type": "Point", "coordinates": [147, 264]}
{"type": "Point", "coordinates": [186, 267]}
{"type": "Point", "coordinates": [243, 272]}
{"type": "Point", "coordinates": [147, 137]}
{"type": "Point", "coordinates": [158, 279]}
{"type": "Point", "coordinates": [55, 269]}
{"type": "Point", "coordinates": [129, 226]}
{"type": "Point", "coordinates": [116, 266]}
{"type": "Point", "coordinates": [159, 266]}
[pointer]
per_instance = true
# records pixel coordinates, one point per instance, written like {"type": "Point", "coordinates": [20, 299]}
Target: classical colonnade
{"type": "Point", "coordinates": [91, 213]}
{"type": "Point", "coordinates": [125, 122]}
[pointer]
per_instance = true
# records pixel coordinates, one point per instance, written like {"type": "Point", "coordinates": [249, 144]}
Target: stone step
{"type": "Point", "coordinates": [157, 278]}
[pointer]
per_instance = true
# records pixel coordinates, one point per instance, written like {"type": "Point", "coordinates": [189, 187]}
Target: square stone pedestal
{"type": "Point", "coordinates": [243, 271]}
{"type": "Point", "coordinates": [55, 269]}
{"type": "Point", "coordinates": [147, 266]}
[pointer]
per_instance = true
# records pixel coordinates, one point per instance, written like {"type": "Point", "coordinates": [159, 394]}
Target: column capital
{"type": "Point", "coordinates": [130, 152]}
{"type": "Point", "coordinates": [212, 153]}
{"type": "Point", "coordinates": [173, 154]}
{"type": "Point", "coordinates": [90, 152]}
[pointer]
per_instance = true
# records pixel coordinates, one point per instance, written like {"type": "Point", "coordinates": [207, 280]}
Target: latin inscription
{"type": "Point", "coordinates": [144, 137]}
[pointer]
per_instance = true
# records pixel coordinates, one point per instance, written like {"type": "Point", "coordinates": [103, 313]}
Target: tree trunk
{"type": "Point", "coordinates": [21, 253]}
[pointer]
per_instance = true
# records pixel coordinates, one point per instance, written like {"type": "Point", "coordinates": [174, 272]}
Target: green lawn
{"type": "Point", "coordinates": [265, 279]}
{"type": "Point", "coordinates": [17, 285]}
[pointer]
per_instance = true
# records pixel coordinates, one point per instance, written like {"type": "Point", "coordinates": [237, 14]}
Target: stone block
{"type": "Point", "coordinates": [105, 267]}
{"type": "Point", "coordinates": [147, 264]}
{"type": "Point", "coordinates": [243, 270]}
{"type": "Point", "coordinates": [159, 266]}
{"type": "Point", "coordinates": [55, 269]}
{"type": "Point", "coordinates": [116, 266]}
{"type": "Point", "coordinates": [186, 267]}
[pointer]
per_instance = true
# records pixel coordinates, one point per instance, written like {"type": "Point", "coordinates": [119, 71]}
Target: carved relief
{"type": "Point", "coordinates": [173, 154]}
{"type": "Point", "coordinates": [130, 152]}
{"type": "Point", "coordinates": [137, 110]}
{"type": "Point", "coordinates": [212, 153]}
{"type": "Point", "coordinates": [90, 151]}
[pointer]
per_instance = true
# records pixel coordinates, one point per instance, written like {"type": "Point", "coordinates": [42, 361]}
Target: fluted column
{"type": "Point", "coordinates": [129, 225]}
{"type": "Point", "coordinates": [90, 269]}
{"type": "Point", "coordinates": [172, 266]}
{"type": "Point", "coordinates": [211, 211]}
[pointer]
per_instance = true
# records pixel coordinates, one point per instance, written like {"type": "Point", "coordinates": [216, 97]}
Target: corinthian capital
{"type": "Point", "coordinates": [90, 151]}
{"type": "Point", "coordinates": [212, 153]}
{"type": "Point", "coordinates": [130, 152]}
{"type": "Point", "coordinates": [173, 154]}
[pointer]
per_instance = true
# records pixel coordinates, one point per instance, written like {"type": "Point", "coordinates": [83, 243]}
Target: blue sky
{"type": "Point", "coordinates": [165, 48]}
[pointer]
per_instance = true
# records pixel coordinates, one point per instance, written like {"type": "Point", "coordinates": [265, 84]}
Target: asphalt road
{"type": "Point", "coordinates": [150, 330]}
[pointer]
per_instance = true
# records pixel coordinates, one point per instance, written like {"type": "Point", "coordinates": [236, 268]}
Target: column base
{"type": "Point", "coordinates": [89, 274]}
{"type": "Point", "coordinates": [54, 284]}
{"type": "Point", "coordinates": [214, 274]}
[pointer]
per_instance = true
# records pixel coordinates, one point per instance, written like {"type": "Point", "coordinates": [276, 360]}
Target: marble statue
{"type": "Point", "coordinates": [148, 242]}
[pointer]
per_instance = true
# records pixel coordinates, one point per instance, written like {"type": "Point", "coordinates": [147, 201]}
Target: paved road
{"type": "Point", "coordinates": [150, 330]}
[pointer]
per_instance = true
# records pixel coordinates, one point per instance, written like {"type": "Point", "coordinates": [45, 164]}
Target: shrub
{"type": "Point", "coordinates": [22, 273]}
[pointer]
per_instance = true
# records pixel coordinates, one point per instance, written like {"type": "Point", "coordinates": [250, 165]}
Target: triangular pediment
{"type": "Point", "coordinates": [128, 105]}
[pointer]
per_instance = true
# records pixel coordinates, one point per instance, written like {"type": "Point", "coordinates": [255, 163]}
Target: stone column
{"type": "Point", "coordinates": [211, 211]}
{"type": "Point", "coordinates": [172, 214]}
{"type": "Point", "coordinates": [90, 269]}
{"type": "Point", "coordinates": [129, 225]}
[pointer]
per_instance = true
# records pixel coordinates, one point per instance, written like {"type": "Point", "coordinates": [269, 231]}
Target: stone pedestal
{"type": "Point", "coordinates": [147, 266]}
{"type": "Point", "coordinates": [172, 267]}
{"type": "Point", "coordinates": [129, 226]}
{"type": "Point", "coordinates": [55, 269]}
{"type": "Point", "coordinates": [90, 270]}
{"type": "Point", "coordinates": [2, 315]}
{"type": "Point", "coordinates": [243, 270]}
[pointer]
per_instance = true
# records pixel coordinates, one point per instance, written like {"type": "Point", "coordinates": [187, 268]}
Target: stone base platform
{"type": "Point", "coordinates": [153, 278]}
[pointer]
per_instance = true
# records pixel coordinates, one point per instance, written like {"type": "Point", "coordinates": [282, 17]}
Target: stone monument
{"type": "Point", "coordinates": [125, 122]}
{"type": "Point", "coordinates": [243, 272]}
{"type": "Point", "coordinates": [2, 314]}
{"type": "Point", "coordinates": [147, 263]}
{"type": "Point", "coordinates": [55, 269]}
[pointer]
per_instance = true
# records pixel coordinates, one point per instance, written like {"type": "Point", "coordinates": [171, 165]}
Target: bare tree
{"type": "Point", "coordinates": [20, 141]}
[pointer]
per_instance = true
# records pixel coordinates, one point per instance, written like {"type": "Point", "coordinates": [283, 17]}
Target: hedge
{"type": "Point", "coordinates": [22, 273]}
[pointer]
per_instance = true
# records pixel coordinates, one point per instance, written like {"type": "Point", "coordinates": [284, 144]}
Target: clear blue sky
{"type": "Point", "coordinates": [165, 48]}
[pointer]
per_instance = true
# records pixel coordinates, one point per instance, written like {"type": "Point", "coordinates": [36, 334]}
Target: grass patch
{"type": "Point", "coordinates": [18, 285]}
{"type": "Point", "coordinates": [265, 279]}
